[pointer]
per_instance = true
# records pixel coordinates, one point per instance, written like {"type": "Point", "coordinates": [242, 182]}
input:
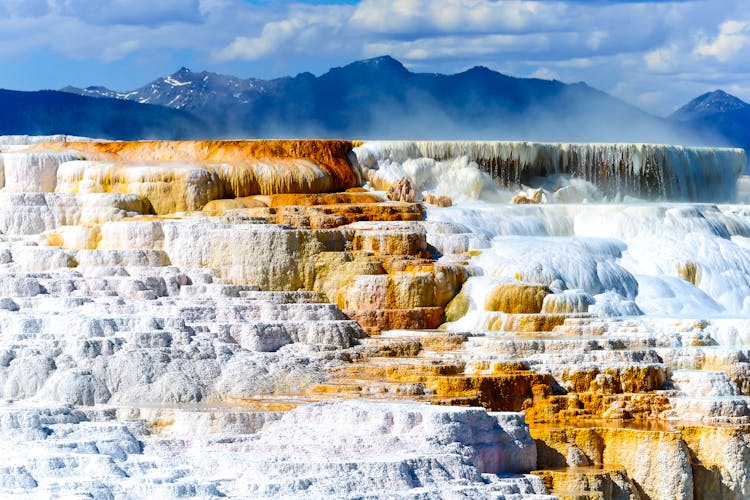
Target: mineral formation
{"type": "Point", "coordinates": [244, 319]}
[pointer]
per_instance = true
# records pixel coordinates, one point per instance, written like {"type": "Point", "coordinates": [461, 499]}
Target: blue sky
{"type": "Point", "coordinates": [656, 55]}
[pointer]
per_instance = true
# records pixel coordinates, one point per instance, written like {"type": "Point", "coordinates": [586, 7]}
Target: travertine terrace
{"type": "Point", "coordinates": [257, 319]}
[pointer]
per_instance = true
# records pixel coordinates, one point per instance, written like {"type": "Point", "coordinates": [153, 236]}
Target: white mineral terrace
{"type": "Point", "coordinates": [614, 171]}
{"type": "Point", "coordinates": [148, 349]}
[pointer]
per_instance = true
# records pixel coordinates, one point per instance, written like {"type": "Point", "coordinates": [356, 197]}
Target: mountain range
{"type": "Point", "coordinates": [374, 98]}
{"type": "Point", "coordinates": [380, 98]}
{"type": "Point", "coordinates": [50, 112]}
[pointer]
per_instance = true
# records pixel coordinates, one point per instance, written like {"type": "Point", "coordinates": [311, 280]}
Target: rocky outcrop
{"type": "Point", "coordinates": [440, 201]}
{"type": "Point", "coordinates": [141, 326]}
{"type": "Point", "coordinates": [402, 190]}
{"type": "Point", "coordinates": [530, 197]}
{"type": "Point", "coordinates": [181, 176]}
{"type": "Point", "coordinates": [517, 298]}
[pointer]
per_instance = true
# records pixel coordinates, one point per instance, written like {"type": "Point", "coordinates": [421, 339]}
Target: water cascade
{"type": "Point", "coordinates": [618, 171]}
{"type": "Point", "coordinates": [671, 259]}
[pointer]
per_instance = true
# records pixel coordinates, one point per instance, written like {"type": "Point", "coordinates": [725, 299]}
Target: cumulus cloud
{"type": "Point", "coordinates": [460, 48]}
{"type": "Point", "coordinates": [425, 17]}
{"type": "Point", "coordinates": [116, 52]}
{"type": "Point", "coordinates": [733, 37]}
{"type": "Point", "coordinates": [662, 59]}
{"type": "Point", "coordinates": [304, 30]}
{"type": "Point", "coordinates": [273, 36]}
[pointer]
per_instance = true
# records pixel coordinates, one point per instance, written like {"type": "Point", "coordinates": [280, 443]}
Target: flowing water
{"type": "Point", "coordinates": [643, 234]}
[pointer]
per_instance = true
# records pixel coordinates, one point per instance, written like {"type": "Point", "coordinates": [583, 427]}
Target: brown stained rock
{"type": "Point", "coordinates": [330, 155]}
{"type": "Point", "coordinates": [403, 190]}
{"type": "Point", "coordinates": [614, 380]}
{"type": "Point", "coordinates": [640, 452]}
{"type": "Point", "coordinates": [395, 291]}
{"type": "Point", "coordinates": [440, 201]}
{"type": "Point", "coordinates": [529, 197]}
{"type": "Point", "coordinates": [448, 281]}
{"type": "Point", "coordinates": [421, 318]}
{"type": "Point", "coordinates": [408, 264]}
{"type": "Point", "coordinates": [522, 200]}
{"type": "Point", "coordinates": [553, 444]}
{"type": "Point", "coordinates": [689, 271]}
{"type": "Point", "coordinates": [457, 308]}
{"type": "Point", "coordinates": [517, 298]}
{"type": "Point", "coordinates": [567, 303]}
{"type": "Point", "coordinates": [336, 270]}
{"type": "Point", "coordinates": [512, 391]}
{"type": "Point", "coordinates": [327, 221]}
{"type": "Point", "coordinates": [586, 406]}
{"type": "Point", "coordinates": [396, 348]}
{"type": "Point", "coordinates": [315, 199]}
{"type": "Point", "coordinates": [442, 341]}
{"type": "Point", "coordinates": [218, 206]}
{"type": "Point", "coordinates": [335, 215]}
{"type": "Point", "coordinates": [383, 241]}
{"type": "Point", "coordinates": [583, 483]}
{"type": "Point", "coordinates": [395, 372]}
{"type": "Point", "coordinates": [715, 454]}
{"type": "Point", "coordinates": [639, 378]}
{"type": "Point", "coordinates": [502, 390]}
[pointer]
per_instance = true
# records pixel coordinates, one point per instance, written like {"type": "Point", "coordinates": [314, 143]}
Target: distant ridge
{"type": "Point", "coordinates": [373, 98]}
{"type": "Point", "coordinates": [48, 112]}
{"type": "Point", "coordinates": [381, 98]}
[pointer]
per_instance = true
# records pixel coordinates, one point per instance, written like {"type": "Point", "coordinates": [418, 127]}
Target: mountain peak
{"type": "Point", "coordinates": [481, 72]}
{"type": "Point", "coordinates": [383, 63]}
{"type": "Point", "coordinates": [713, 102]}
{"type": "Point", "coordinates": [479, 69]}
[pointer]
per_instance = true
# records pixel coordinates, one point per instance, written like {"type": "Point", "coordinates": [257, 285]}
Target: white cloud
{"type": "Point", "coordinates": [273, 36]}
{"type": "Point", "coordinates": [113, 53]}
{"type": "Point", "coordinates": [662, 59]}
{"type": "Point", "coordinates": [577, 63]}
{"type": "Point", "coordinates": [426, 17]}
{"type": "Point", "coordinates": [646, 46]}
{"type": "Point", "coordinates": [545, 74]}
{"type": "Point", "coordinates": [306, 29]}
{"type": "Point", "coordinates": [733, 36]}
{"type": "Point", "coordinates": [460, 47]}
{"type": "Point", "coordinates": [596, 38]}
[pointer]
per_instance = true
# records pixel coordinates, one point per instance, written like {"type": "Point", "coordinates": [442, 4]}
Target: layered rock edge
{"type": "Point", "coordinates": [240, 318]}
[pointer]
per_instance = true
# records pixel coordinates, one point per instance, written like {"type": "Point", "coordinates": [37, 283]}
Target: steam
{"type": "Point", "coordinates": [419, 116]}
